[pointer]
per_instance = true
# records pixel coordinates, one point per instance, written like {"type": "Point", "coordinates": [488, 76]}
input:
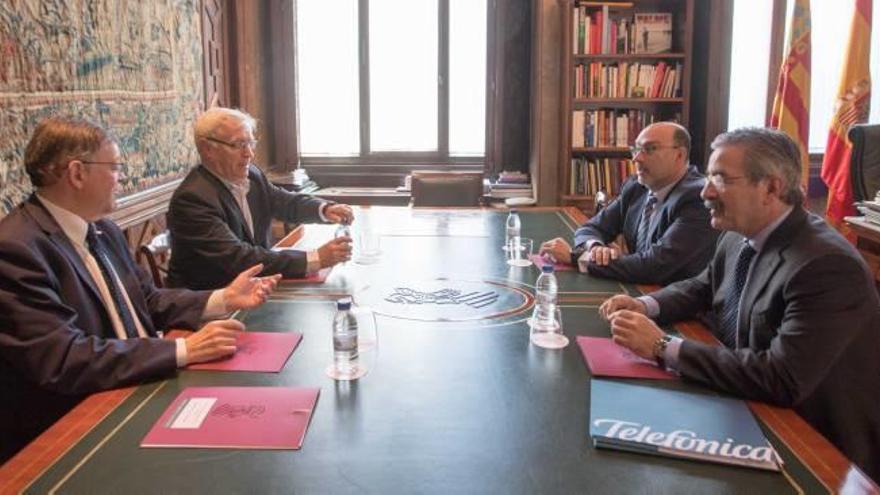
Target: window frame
{"type": "Point", "coordinates": [406, 161]}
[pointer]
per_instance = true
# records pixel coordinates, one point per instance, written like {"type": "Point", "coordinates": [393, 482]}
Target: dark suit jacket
{"type": "Point", "coordinates": [210, 242]}
{"type": "Point", "coordinates": [56, 340]}
{"type": "Point", "coordinates": [682, 240]}
{"type": "Point", "coordinates": [809, 332]}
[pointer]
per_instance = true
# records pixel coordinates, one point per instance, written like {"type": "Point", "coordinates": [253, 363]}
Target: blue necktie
{"type": "Point", "coordinates": [730, 313]}
{"type": "Point", "coordinates": [99, 251]}
{"type": "Point", "coordinates": [642, 241]}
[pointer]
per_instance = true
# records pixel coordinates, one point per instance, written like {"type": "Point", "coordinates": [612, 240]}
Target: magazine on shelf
{"type": "Point", "coordinates": [653, 32]}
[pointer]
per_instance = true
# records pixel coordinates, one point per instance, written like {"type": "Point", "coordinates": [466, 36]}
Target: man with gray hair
{"type": "Point", "coordinates": [77, 316]}
{"type": "Point", "coordinates": [794, 304]}
{"type": "Point", "coordinates": [220, 217]}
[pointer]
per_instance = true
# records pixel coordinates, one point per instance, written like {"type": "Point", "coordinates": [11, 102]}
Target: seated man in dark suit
{"type": "Point", "coordinates": [220, 217]}
{"type": "Point", "coordinates": [76, 314]}
{"type": "Point", "coordinates": [794, 303]}
{"type": "Point", "coordinates": [660, 215]}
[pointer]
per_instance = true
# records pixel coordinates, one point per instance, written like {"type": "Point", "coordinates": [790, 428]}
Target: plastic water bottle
{"type": "Point", "coordinates": [344, 230]}
{"type": "Point", "coordinates": [345, 341]}
{"type": "Point", "coordinates": [513, 227]}
{"type": "Point", "coordinates": [544, 316]}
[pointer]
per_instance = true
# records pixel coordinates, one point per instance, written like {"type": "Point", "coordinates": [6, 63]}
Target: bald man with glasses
{"type": "Point", "coordinates": [220, 217]}
{"type": "Point", "coordinates": [659, 214]}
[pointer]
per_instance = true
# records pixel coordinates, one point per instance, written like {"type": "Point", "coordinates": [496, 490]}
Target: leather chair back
{"type": "Point", "coordinates": [865, 161]}
{"type": "Point", "coordinates": [447, 188]}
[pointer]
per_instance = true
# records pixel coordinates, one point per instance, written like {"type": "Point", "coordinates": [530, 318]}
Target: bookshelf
{"type": "Point", "coordinates": [625, 64]}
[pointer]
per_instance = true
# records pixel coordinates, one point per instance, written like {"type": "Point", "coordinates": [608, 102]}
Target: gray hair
{"type": "Point", "coordinates": [208, 122]}
{"type": "Point", "coordinates": [768, 153]}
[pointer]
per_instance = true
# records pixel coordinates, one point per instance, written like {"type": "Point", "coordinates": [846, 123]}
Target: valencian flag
{"type": "Point", "coordinates": [791, 105]}
{"type": "Point", "coordinates": [851, 107]}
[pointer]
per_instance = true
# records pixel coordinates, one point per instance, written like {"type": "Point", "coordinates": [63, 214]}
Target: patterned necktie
{"type": "Point", "coordinates": [99, 251]}
{"type": "Point", "coordinates": [643, 242]}
{"type": "Point", "coordinates": [730, 313]}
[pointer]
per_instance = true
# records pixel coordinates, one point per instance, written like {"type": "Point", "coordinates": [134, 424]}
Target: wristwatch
{"type": "Point", "coordinates": [660, 348]}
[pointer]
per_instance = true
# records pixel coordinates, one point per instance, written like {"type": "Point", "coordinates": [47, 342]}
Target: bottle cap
{"type": "Point", "coordinates": [343, 303]}
{"type": "Point", "coordinates": [547, 268]}
{"type": "Point", "coordinates": [513, 210]}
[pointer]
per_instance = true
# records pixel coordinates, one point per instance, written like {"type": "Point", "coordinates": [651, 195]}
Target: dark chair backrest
{"type": "Point", "coordinates": [864, 166]}
{"type": "Point", "coordinates": [447, 188]}
{"type": "Point", "coordinates": [156, 253]}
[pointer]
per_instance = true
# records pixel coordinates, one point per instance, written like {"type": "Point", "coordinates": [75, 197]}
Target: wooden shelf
{"type": "Point", "coordinates": [626, 101]}
{"type": "Point", "coordinates": [601, 149]}
{"type": "Point", "coordinates": [603, 166]}
{"type": "Point", "coordinates": [626, 57]}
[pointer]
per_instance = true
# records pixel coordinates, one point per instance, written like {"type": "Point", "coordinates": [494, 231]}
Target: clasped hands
{"type": "Point", "coordinates": [630, 325]}
{"type": "Point", "coordinates": [560, 250]}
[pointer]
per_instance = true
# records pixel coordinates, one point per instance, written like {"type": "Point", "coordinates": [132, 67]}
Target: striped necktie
{"type": "Point", "coordinates": [730, 313]}
{"type": "Point", "coordinates": [643, 242]}
{"type": "Point", "coordinates": [102, 256]}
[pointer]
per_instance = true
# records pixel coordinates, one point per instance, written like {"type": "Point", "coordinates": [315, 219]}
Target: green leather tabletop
{"type": "Point", "coordinates": [456, 399]}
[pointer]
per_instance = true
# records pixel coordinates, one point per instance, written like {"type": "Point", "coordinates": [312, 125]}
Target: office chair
{"type": "Point", "coordinates": [864, 165]}
{"type": "Point", "coordinates": [447, 188]}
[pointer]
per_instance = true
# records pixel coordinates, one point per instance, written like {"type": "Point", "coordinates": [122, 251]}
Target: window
{"type": "Point", "coordinates": [830, 25]}
{"type": "Point", "coordinates": [392, 81]}
{"type": "Point", "coordinates": [749, 62]}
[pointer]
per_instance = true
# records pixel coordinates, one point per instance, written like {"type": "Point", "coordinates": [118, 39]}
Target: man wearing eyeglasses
{"type": "Point", "coordinates": [794, 304]}
{"type": "Point", "coordinates": [220, 217]}
{"type": "Point", "coordinates": [663, 222]}
{"type": "Point", "coordinates": [76, 314]}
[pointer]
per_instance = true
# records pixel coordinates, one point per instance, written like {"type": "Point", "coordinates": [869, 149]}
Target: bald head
{"type": "Point", "coordinates": [661, 154]}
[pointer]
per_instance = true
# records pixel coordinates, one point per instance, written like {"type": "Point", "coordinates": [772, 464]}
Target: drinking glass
{"type": "Point", "coordinates": [518, 251]}
{"type": "Point", "coordinates": [548, 336]}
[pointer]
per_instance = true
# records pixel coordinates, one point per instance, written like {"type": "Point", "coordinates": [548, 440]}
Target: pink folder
{"type": "Point", "coordinates": [316, 278]}
{"type": "Point", "coordinates": [256, 351]}
{"type": "Point", "coordinates": [605, 358]}
{"type": "Point", "coordinates": [540, 261]}
{"type": "Point", "coordinates": [235, 418]}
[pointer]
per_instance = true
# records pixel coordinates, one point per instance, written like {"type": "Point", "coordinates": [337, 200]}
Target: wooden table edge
{"type": "Point", "coordinates": [817, 454]}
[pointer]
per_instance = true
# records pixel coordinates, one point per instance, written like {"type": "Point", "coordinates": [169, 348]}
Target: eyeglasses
{"type": "Point", "coordinates": [114, 166]}
{"type": "Point", "coordinates": [239, 145]}
{"type": "Point", "coordinates": [721, 181]}
{"type": "Point", "coordinates": [648, 149]}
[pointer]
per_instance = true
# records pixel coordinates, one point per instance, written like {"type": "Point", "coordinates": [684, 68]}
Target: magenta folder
{"type": "Point", "coordinates": [235, 418]}
{"type": "Point", "coordinates": [316, 278]}
{"type": "Point", "coordinates": [540, 261]}
{"type": "Point", "coordinates": [605, 358]}
{"type": "Point", "coordinates": [256, 351]}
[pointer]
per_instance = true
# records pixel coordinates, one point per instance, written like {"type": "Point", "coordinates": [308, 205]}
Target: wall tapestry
{"type": "Point", "coordinates": [135, 66]}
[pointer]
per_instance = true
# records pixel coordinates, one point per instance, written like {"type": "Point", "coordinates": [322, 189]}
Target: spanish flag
{"type": "Point", "coordinates": [791, 105]}
{"type": "Point", "coordinates": [851, 107]}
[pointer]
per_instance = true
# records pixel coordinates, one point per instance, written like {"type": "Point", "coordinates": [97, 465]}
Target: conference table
{"type": "Point", "coordinates": [455, 400]}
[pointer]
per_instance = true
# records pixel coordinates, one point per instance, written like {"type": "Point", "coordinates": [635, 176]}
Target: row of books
{"type": "Point", "coordinates": [601, 30]}
{"type": "Point", "coordinates": [607, 127]}
{"type": "Point", "coordinates": [603, 174]}
{"type": "Point", "coordinates": [512, 177]}
{"type": "Point", "coordinates": [627, 80]}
